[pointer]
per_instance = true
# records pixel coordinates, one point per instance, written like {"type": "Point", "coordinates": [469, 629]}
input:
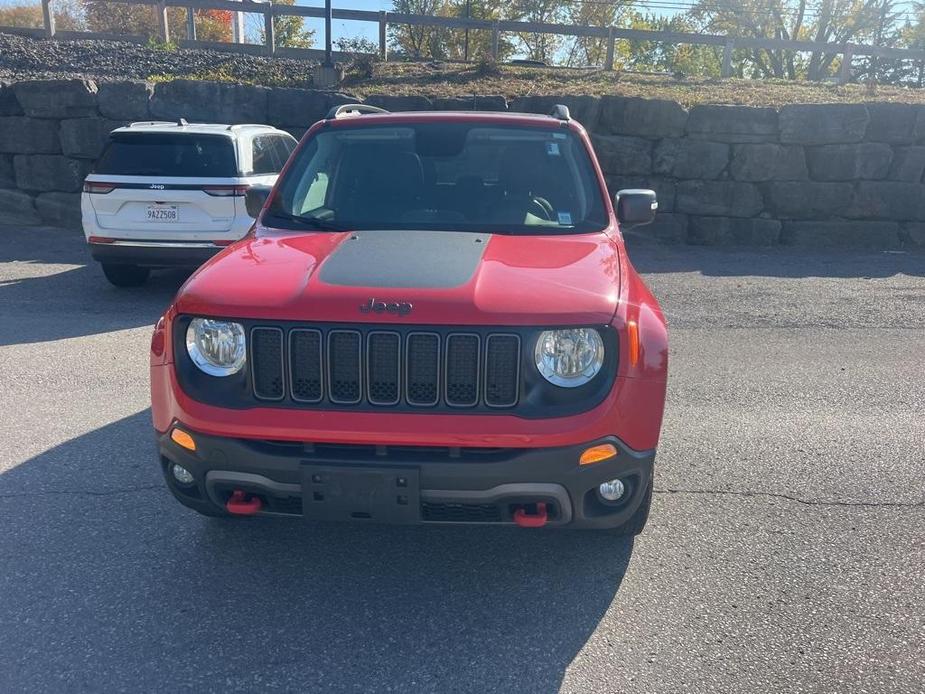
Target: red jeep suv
{"type": "Point", "coordinates": [433, 320]}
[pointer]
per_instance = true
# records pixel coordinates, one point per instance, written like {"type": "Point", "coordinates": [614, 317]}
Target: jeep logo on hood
{"type": "Point", "coordinates": [402, 308]}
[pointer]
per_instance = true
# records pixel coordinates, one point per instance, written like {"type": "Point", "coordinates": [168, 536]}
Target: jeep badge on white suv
{"type": "Point", "coordinates": [172, 194]}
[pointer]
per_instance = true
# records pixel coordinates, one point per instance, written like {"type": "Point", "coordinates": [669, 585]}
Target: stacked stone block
{"type": "Point", "coordinates": [835, 175]}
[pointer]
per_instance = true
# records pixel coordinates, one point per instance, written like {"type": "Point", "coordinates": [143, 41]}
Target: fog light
{"type": "Point", "coordinates": [181, 474]}
{"type": "Point", "coordinates": [612, 490]}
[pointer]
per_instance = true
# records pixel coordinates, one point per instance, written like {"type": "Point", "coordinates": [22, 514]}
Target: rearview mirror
{"type": "Point", "coordinates": [635, 207]}
{"type": "Point", "coordinates": [254, 199]}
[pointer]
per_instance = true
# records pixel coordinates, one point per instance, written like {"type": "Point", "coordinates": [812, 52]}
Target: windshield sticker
{"type": "Point", "coordinates": [552, 149]}
{"type": "Point", "coordinates": [565, 219]}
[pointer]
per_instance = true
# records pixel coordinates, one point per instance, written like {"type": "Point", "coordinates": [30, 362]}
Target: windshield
{"type": "Point", "coordinates": [164, 154]}
{"type": "Point", "coordinates": [453, 176]}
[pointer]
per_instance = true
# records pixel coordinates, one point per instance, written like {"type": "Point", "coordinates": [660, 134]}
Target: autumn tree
{"type": "Point", "coordinates": [825, 21]}
{"type": "Point", "coordinates": [67, 14]}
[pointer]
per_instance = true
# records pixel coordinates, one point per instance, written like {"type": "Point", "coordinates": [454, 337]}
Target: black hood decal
{"type": "Point", "coordinates": [405, 259]}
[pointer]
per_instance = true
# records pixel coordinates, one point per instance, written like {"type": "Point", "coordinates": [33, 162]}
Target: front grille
{"type": "Point", "coordinates": [385, 368]}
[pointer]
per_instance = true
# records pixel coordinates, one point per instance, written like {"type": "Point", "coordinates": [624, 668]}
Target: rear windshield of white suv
{"type": "Point", "coordinates": [166, 154]}
{"type": "Point", "coordinates": [452, 176]}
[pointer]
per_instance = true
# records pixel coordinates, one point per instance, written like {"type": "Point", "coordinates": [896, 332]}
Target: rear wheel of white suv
{"type": "Point", "coordinates": [126, 275]}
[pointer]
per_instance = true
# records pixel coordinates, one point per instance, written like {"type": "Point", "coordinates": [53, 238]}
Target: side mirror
{"type": "Point", "coordinates": [254, 199]}
{"type": "Point", "coordinates": [635, 207]}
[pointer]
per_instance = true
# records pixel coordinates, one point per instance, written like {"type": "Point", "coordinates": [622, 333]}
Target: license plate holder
{"type": "Point", "coordinates": [162, 213]}
{"type": "Point", "coordinates": [361, 492]}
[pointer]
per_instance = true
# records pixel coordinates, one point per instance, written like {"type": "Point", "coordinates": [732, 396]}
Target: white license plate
{"type": "Point", "coordinates": [162, 213]}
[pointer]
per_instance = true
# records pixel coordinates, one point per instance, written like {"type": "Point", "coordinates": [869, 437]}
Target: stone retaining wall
{"type": "Point", "coordinates": [815, 175]}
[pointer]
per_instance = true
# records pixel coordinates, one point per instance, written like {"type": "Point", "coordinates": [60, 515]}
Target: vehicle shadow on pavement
{"type": "Point", "coordinates": [51, 289]}
{"type": "Point", "coordinates": [652, 256]}
{"type": "Point", "coordinates": [108, 583]}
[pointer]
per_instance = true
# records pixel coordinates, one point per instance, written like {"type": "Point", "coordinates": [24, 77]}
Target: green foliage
{"type": "Point", "coordinates": [363, 56]}
{"type": "Point", "coordinates": [290, 32]}
{"type": "Point", "coordinates": [156, 44]}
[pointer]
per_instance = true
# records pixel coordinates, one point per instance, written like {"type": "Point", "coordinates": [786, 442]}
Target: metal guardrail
{"type": "Point", "coordinates": [611, 34]}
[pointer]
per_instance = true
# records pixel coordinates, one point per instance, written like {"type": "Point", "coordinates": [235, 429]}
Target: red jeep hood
{"type": "Point", "coordinates": [447, 277]}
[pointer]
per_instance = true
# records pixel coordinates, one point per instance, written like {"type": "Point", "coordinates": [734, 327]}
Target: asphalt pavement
{"type": "Point", "coordinates": [785, 551]}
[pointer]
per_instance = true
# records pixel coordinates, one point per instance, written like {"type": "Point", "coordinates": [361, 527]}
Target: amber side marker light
{"type": "Point", "coordinates": [181, 438]}
{"type": "Point", "coordinates": [596, 454]}
{"type": "Point", "coordinates": [632, 337]}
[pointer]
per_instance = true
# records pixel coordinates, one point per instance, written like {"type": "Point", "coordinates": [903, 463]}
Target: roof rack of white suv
{"type": "Point", "coordinates": [345, 110]}
{"type": "Point", "coordinates": [152, 122]}
{"type": "Point", "coordinates": [250, 125]}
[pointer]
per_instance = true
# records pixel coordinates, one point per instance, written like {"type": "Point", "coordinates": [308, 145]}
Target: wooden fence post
{"type": "Point", "coordinates": [48, 16]}
{"type": "Point", "coordinates": [162, 27]}
{"type": "Point", "coordinates": [608, 63]}
{"type": "Point", "coordinates": [844, 72]}
{"type": "Point", "coordinates": [190, 24]}
{"type": "Point", "coordinates": [269, 29]}
{"type": "Point", "coordinates": [727, 58]}
{"type": "Point", "coordinates": [383, 30]}
{"type": "Point", "coordinates": [495, 40]}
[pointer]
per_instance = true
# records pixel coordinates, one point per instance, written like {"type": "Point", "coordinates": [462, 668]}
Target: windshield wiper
{"type": "Point", "coordinates": [311, 222]}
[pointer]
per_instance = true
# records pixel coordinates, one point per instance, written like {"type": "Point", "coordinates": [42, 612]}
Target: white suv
{"type": "Point", "coordinates": [167, 193]}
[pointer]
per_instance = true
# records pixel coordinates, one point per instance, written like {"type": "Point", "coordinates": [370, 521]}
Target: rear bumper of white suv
{"type": "Point", "coordinates": [153, 253]}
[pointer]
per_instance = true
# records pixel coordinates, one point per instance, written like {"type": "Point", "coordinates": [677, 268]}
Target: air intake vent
{"type": "Point", "coordinates": [423, 369]}
{"type": "Point", "coordinates": [462, 370]}
{"type": "Point", "coordinates": [305, 366]}
{"type": "Point", "coordinates": [267, 363]}
{"type": "Point", "coordinates": [383, 367]}
{"type": "Point", "coordinates": [344, 367]}
{"type": "Point", "coordinates": [502, 370]}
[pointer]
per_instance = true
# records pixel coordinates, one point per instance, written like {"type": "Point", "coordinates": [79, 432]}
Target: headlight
{"type": "Point", "coordinates": [569, 358]}
{"type": "Point", "coordinates": [216, 346]}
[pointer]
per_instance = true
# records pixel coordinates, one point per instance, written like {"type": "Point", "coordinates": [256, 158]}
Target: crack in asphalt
{"type": "Point", "coordinates": [795, 499]}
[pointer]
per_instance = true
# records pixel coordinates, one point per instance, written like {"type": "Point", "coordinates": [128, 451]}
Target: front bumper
{"type": "Point", "coordinates": [154, 253]}
{"type": "Point", "coordinates": [457, 485]}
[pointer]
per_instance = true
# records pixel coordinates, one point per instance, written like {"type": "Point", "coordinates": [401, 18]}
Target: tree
{"type": "Point", "coordinates": [539, 46]}
{"type": "Point", "coordinates": [418, 42]}
{"type": "Point", "coordinates": [289, 31]}
{"type": "Point", "coordinates": [660, 56]}
{"type": "Point", "coordinates": [824, 21]}
{"type": "Point", "coordinates": [588, 50]}
{"type": "Point", "coordinates": [479, 39]}
{"type": "Point", "coordinates": [67, 16]}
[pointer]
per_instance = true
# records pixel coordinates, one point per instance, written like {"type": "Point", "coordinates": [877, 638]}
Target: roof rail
{"type": "Point", "coordinates": [249, 125]}
{"type": "Point", "coordinates": [152, 122]}
{"type": "Point", "coordinates": [345, 110]}
{"type": "Point", "coordinates": [561, 112]}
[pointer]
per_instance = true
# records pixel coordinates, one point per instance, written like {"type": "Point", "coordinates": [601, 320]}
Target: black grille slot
{"type": "Point", "coordinates": [267, 362]}
{"type": "Point", "coordinates": [502, 370]}
{"type": "Point", "coordinates": [305, 365]}
{"type": "Point", "coordinates": [344, 366]}
{"type": "Point", "coordinates": [462, 370]}
{"type": "Point", "coordinates": [383, 360]}
{"type": "Point", "coordinates": [460, 513]}
{"type": "Point", "coordinates": [423, 369]}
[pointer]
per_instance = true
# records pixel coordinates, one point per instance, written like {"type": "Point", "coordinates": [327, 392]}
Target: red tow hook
{"type": "Point", "coordinates": [240, 505]}
{"type": "Point", "coordinates": [526, 520]}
